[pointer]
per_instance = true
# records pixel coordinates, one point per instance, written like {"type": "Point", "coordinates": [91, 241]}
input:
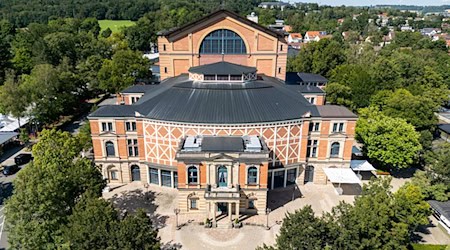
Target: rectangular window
{"type": "Point", "coordinates": [193, 204]}
{"type": "Point", "coordinates": [314, 126]}
{"type": "Point", "coordinates": [107, 126]}
{"type": "Point", "coordinates": [133, 149]}
{"type": "Point", "coordinates": [154, 176]}
{"type": "Point", "coordinates": [281, 47]}
{"type": "Point", "coordinates": [279, 70]}
{"type": "Point", "coordinates": [291, 176]}
{"type": "Point", "coordinates": [175, 179]}
{"type": "Point", "coordinates": [130, 126]}
{"type": "Point", "coordinates": [236, 78]}
{"type": "Point", "coordinates": [134, 99]}
{"type": "Point", "coordinates": [164, 47]}
{"type": "Point", "coordinates": [209, 77]}
{"type": "Point", "coordinates": [114, 175]}
{"type": "Point", "coordinates": [222, 77]}
{"type": "Point", "coordinates": [251, 204]}
{"type": "Point", "coordinates": [165, 69]}
{"type": "Point", "coordinates": [166, 178]}
{"type": "Point", "coordinates": [338, 127]}
{"type": "Point", "coordinates": [311, 150]}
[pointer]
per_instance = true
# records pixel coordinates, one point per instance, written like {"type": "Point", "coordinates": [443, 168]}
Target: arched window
{"type": "Point", "coordinates": [192, 175]}
{"type": "Point", "coordinates": [335, 149]}
{"type": "Point", "coordinates": [252, 175]}
{"type": "Point", "coordinates": [110, 149]}
{"type": "Point", "coordinates": [135, 173]}
{"type": "Point", "coordinates": [223, 42]}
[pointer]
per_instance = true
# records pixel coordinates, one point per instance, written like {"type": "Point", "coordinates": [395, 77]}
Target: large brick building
{"type": "Point", "coordinates": [229, 129]}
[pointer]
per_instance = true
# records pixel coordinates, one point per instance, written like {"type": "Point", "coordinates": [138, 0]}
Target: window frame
{"type": "Point", "coordinates": [133, 147]}
{"type": "Point", "coordinates": [189, 182]}
{"type": "Point", "coordinates": [107, 152]}
{"type": "Point", "coordinates": [333, 149]}
{"type": "Point", "coordinates": [223, 41]}
{"type": "Point", "coordinates": [130, 126]}
{"type": "Point", "coordinates": [311, 148]}
{"type": "Point", "coordinates": [113, 175]}
{"type": "Point", "coordinates": [255, 177]}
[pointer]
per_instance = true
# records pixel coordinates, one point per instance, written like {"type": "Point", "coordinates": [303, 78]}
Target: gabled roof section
{"type": "Point", "coordinates": [138, 89]}
{"type": "Point", "coordinates": [222, 68]}
{"type": "Point", "coordinates": [175, 31]}
{"type": "Point", "coordinates": [335, 111]}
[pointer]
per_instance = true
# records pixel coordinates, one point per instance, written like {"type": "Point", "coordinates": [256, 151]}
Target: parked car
{"type": "Point", "coordinates": [10, 170]}
{"type": "Point", "coordinates": [22, 159]}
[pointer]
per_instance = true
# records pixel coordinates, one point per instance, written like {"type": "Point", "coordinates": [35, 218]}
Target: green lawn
{"type": "Point", "coordinates": [428, 247]}
{"type": "Point", "coordinates": [115, 25]}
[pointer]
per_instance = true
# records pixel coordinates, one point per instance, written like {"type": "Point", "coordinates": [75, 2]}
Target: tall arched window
{"type": "Point", "coordinates": [223, 42]}
{"type": "Point", "coordinates": [335, 149]}
{"type": "Point", "coordinates": [192, 175]}
{"type": "Point", "coordinates": [110, 149]}
{"type": "Point", "coordinates": [252, 175]}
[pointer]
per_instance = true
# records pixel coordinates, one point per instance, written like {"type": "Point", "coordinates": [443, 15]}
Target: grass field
{"type": "Point", "coordinates": [428, 247]}
{"type": "Point", "coordinates": [115, 25]}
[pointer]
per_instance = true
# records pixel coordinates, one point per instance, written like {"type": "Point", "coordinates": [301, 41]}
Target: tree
{"type": "Point", "coordinates": [91, 225]}
{"type": "Point", "coordinates": [137, 232]}
{"type": "Point", "coordinates": [106, 33]}
{"type": "Point", "coordinates": [391, 142]}
{"type": "Point", "coordinates": [339, 94]}
{"type": "Point", "coordinates": [122, 70]}
{"type": "Point", "coordinates": [46, 191]}
{"type": "Point", "coordinates": [380, 219]}
{"type": "Point", "coordinates": [24, 137]}
{"type": "Point", "coordinates": [14, 99]}
{"type": "Point", "coordinates": [303, 230]}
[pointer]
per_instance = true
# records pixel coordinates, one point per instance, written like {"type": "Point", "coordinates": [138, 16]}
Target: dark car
{"type": "Point", "coordinates": [9, 170]}
{"type": "Point", "coordinates": [22, 159]}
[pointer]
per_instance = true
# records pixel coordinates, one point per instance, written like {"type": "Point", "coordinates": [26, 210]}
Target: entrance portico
{"type": "Point", "coordinates": [232, 207]}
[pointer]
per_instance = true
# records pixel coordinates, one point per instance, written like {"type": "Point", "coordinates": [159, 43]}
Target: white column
{"type": "Point", "coordinates": [285, 178]}
{"type": "Point", "coordinates": [214, 212]}
{"type": "Point", "coordinates": [229, 168]}
{"type": "Point", "coordinates": [237, 209]}
{"type": "Point", "coordinates": [172, 180]}
{"type": "Point", "coordinates": [230, 214]}
{"type": "Point", "coordinates": [159, 177]}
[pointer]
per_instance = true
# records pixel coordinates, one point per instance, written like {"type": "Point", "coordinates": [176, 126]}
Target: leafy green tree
{"type": "Point", "coordinates": [339, 94]}
{"type": "Point", "coordinates": [106, 33]}
{"type": "Point", "coordinates": [391, 142]}
{"type": "Point", "coordinates": [46, 191]}
{"type": "Point", "coordinates": [24, 137]}
{"type": "Point", "coordinates": [417, 110]}
{"type": "Point", "coordinates": [303, 230]}
{"type": "Point", "coordinates": [91, 224]}
{"type": "Point", "coordinates": [430, 190]}
{"type": "Point", "coordinates": [14, 99]}
{"type": "Point", "coordinates": [84, 136]}
{"type": "Point", "coordinates": [122, 70]}
{"type": "Point", "coordinates": [137, 232]}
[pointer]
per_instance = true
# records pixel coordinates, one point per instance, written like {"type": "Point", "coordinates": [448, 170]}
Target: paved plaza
{"type": "Point", "coordinates": [160, 203]}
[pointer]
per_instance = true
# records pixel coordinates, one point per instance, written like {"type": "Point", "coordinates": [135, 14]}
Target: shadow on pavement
{"type": "Point", "coordinates": [5, 192]}
{"type": "Point", "coordinates": [131, 201]}
{"type": "Point", "coordinates": [10, 152]}
{"type": "Point", "coordinates": [169, 246]}
{"type": "Point", "coordinates": [279, 197]}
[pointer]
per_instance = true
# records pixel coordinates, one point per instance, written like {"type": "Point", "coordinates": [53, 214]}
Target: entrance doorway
{"type": "Point", "coordinates": [309, 174]}
{"type": "Point", "coordinates": [222, 176]}
{"type": "Point", "coordinates": [222, 207]}
{"type": "Point", "coordinates": [135, 173]}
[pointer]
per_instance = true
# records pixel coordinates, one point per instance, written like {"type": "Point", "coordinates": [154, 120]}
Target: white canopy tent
{"type": "Point", "coordinates": [341, 176]}
{"type": "Point", "coordinates": [361, 165]}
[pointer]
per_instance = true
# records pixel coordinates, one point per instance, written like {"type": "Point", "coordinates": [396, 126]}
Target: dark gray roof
{"type": "Point", "coordinates": [306, 89]}
{"type": "Point", "coordinates": [115, 111]}
{"type": "Point", "coordinates": [138, 89]}
{"type": "Point", "coordinates": [299, 77]}
{"type": "Point", "coordinates": [222, 68]}
{"type": "Point", "coordinates": [181, 100]}
{"type": "Point", "coordinates": [334, 111]}
{"type": "Point", "coordinates": [6, 136]}
{"type": "Point", "coordinates": [445, 128]}
{"type": "Point", "coordinates": [222, 144]}
{"type": "Point", "coordinates": [442, 207]}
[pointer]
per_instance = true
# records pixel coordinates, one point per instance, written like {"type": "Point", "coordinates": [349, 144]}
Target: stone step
{"type": "Point", "coordinates": [224, 225]}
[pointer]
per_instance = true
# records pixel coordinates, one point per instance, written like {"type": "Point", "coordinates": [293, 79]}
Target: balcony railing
{"type": "Point", "coordinates": [222, 192]}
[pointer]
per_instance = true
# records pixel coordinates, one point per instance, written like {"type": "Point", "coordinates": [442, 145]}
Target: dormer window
{"type": "Point", "coordinates": [222, 72]}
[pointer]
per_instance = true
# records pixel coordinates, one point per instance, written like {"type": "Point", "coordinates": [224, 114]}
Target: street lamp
{"type": "Point", "coordinates": [267, 214]}
{"type": "Point", "coordinates": [177, 211]}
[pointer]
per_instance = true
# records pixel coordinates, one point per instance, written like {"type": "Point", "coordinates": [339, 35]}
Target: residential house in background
{"type": "Point", "coordinates": [314, 36]}
{"type": "Point", "coordinates": [295, 38]}
{"type": "Point", "coordinates": [274, 5]}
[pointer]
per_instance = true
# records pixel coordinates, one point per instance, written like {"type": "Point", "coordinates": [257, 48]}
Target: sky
{"type": "Point", "coordinates": [377, 2]}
